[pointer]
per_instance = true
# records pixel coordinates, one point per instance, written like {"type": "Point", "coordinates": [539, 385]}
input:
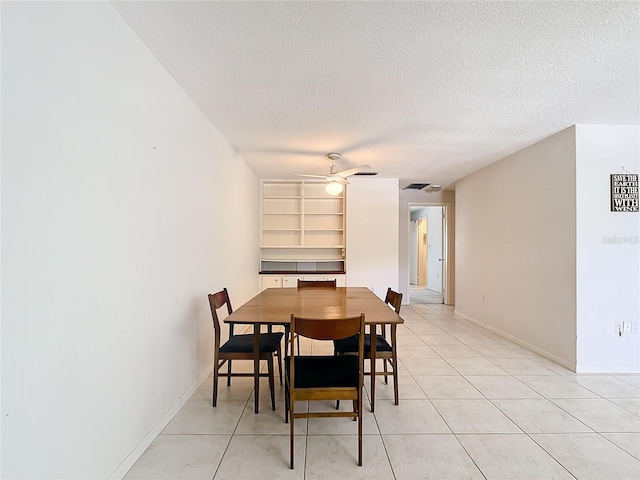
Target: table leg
{"type": "Point", "coordinates": [394, 357]}
{"type": "Point", "coordinates": [256, 364]}
{"type": "Point", "coordinates": [374, 342]}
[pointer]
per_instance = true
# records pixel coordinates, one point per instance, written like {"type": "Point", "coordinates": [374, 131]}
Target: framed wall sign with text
{"type": "Point", "coordinates": [624, 192]}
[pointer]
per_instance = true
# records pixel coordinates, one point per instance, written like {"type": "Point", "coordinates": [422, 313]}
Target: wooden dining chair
{"type": "Point", "coordinates": [386, 348]}
{"type": "Point", "coordinates": [240, 347]}
{"type": "Point", "coordinates": [325, 377]}
{"type": "Point", "coordinates": [305, 284]}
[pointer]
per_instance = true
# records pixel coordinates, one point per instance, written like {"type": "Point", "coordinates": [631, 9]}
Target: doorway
{"type": "Point", "coordinates": [427, 234]}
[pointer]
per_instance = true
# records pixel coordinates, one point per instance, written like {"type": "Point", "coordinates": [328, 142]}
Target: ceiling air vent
{"type": "Point", "coordinates": [416, 186]}
{"type": "Point", "coordinates": [366, 174]}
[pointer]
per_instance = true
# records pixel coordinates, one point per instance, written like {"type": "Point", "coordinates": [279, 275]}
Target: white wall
{"type": "Point", "coordinates": [372, 233]}
{"type": "Point", "coordinates": [118, 217]}
{"type": "Point", "coordinates": [419, 197]}
{"type": "Point", "coordinates": [516, 244]}
{"type": "Point", "coordinates": [608, 261]}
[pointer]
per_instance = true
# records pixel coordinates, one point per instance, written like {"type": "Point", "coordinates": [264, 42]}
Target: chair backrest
{"type": "Point", "coordinates": [316, 283]}
{"type": "Point", "coordinates": [216, 301]}
{"type": "Point", "coordinates": [327, 328]}
{"type": "Point", "coordinates": [394, 299]}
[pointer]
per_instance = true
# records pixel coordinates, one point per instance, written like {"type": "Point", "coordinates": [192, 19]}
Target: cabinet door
{"type": "Point", "coordinates": [271, 281]}
{"type": "Point", "coordinates": [290, 281]}
{"type": "Point", "coordinates": [341, 281]}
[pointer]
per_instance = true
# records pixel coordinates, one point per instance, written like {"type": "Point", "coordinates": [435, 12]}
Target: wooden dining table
{"type": "Point", "coordinates": [274, 306]}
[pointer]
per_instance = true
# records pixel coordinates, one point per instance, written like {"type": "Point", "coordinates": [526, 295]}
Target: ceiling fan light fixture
{"type": "Point", "coordinates": [334, 188]}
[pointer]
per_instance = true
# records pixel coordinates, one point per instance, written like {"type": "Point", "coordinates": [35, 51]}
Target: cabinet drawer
{"type": "Point", "coordinates": [271, 281]}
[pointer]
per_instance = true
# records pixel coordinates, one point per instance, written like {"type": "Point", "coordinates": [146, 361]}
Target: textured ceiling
{"type": "Point", "coordinates": [421, 91]}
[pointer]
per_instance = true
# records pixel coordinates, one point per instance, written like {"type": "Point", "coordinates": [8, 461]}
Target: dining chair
{"type": "Point", "coordinates": [305, 284]}
{"type": "Point", "coordinates": [240, 347]}
{"type": "Point", "coordinates": [324, 377]}
{"type": "Point", "coordinates": [386, 349]}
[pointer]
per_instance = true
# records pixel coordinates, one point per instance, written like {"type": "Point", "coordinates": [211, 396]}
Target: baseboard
{"type": "Point", "coordinates": [624, 370]}
{"type": "Point", "coordinates": [519, 341]}
{"type": "Point", "coordinates": [139, 449]}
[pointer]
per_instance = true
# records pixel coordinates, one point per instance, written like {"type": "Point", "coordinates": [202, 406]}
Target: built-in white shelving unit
{"type": "Point", "coordinates": [302, 229]}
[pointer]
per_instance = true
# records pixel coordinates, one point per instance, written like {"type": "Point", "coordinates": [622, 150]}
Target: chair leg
{"type": "Point", "coordinates": [337, 401]}
{"type": "Point", "coordinates": [395, 385]}
{"type": "Point", "coordinates": [271, 383]}
{"type": "Point", "coordinates": [229, 373]}
{"type": "Point", "coordinates": [360, 431]}
{"type": "Point", "coordinates": [291, 433]}
{"type": "Point", "coordinates": [286, 341]}
{"type": "Point", "coordinates": [215, 381]}
{"type": "Point", "coordinates": [279, 353]}
{"type": "Point", "coordinates": [286, 401]}
{"type": "Point", "coordinates": [373, 384]}
{"type": "Point", "coordinates": [384, 362]}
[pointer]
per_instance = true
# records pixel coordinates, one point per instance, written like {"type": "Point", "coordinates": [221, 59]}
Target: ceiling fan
{"type": "Point", "coordinates": [337, 180]}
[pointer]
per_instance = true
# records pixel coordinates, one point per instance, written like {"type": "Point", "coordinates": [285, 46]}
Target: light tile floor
{"type": "Point", "coordinates": [473, 405]}
{"type": "Point", "coordinates": [424, 295]}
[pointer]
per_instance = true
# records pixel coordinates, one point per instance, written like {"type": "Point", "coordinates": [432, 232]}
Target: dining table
{"type": "Point", "coordinates": [274, 307]}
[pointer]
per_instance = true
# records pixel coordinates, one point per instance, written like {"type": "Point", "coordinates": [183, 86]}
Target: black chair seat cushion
{"type": "Point", "coordinates": [350, 344]}
{"type": "Point", "coordinates": [244, 343]}
{"type": "Point", "coordinates": [324, 371]}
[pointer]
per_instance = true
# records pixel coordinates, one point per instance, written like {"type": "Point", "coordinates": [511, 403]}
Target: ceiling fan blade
{"type": "Point", "coordinates": [311, 176]}
{"type": "Point", "coordinates": [354, 170]}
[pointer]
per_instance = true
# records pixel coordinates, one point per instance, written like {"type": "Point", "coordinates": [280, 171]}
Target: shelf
{"type": "Point", "coordinates": [301, 272]}
{"type": "Point", "coordinates": [302, 228]}
{"type": "Point", "coordinates": [281, 197]}
{"type": "Point", "coordinates": [301, 267]}
{"type": "Point", "coordinates": [301, 246]}
{"type": "Point", "coordinates": [323, 198]}
{"type": "Point", "coordinates": [297, 260]}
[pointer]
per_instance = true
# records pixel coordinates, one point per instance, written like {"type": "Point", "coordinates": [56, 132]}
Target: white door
{"type": "Point", "coordinates": [413, 252]}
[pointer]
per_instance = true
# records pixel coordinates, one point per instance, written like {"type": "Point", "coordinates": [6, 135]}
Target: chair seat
{"type": "Point", "coordinates": [325, 371]}
{"type": "Point", "coordinates": [244, 343]}
{"type": "Point", "coordinates": [350, 344]}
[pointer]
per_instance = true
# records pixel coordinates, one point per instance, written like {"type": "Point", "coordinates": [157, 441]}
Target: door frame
{"type": "Point", "coordinates": [446, 208]}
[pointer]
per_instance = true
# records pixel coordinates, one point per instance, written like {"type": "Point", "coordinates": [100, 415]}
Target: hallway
{"type": "Point", "coordinates": [420, 295]}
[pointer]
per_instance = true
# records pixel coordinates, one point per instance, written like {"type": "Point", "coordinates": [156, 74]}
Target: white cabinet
{"type": "Point", "coordinates": [270, 281]}
{"type": "Point", "coordinates": [301, 230]}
